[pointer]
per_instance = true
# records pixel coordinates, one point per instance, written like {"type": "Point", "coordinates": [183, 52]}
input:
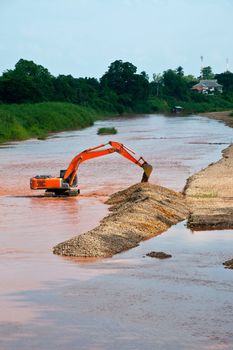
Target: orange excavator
{"type": "Point", "coordinates": [66, 184]}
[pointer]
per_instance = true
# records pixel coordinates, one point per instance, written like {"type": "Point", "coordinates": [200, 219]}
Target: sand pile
{"type": "Point", "coordinates": [228, 264]}
{"type": "Point", "coordinates": [159, 255]}
{"type": "Point", "coordinates": [137, 213]}
{"type": "Point", "coordinates": [209, 195]}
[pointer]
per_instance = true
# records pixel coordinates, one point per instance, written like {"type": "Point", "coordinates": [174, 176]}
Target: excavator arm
{"type": "Point", "coordinates": [98, 152]}
{"type": "Point", "coordinates": [66, 183]}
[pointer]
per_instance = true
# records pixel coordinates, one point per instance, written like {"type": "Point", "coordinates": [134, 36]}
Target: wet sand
{"type": "Point", "coordinates": [48, 301]}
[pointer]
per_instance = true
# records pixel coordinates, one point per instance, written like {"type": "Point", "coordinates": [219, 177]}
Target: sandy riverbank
{"type": "Point", "coordinates": [209, 195]}
{"type": "Point", "coordinates": [223, 116]}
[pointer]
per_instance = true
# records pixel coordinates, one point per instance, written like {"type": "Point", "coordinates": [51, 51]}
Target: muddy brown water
{"type": "Point", "coordinates": [129, 301]}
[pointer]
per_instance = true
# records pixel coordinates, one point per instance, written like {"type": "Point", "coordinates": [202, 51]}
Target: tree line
{"type": "Point", "coordinates": [120, 89]}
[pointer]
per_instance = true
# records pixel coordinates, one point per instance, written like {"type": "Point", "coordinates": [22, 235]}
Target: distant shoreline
{"type": "Point", "coordinates": [20, 122]}
{"type": "Point", "coordinates": [222, 116]}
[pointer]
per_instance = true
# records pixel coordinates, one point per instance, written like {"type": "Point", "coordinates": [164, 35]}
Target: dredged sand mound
{"type": "Point", "coordinates": [137, 213]}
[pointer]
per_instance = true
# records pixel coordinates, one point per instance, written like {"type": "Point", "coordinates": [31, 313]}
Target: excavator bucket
{"type": "Point", "coordinates": [147, 171]}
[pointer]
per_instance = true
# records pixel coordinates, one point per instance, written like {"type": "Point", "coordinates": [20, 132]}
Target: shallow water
{"type": "Point", "coordinates": [129, 301]}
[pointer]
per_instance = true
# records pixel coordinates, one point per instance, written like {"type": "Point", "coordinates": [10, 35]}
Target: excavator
{"type": "Point", "coordinates": [66, 184]}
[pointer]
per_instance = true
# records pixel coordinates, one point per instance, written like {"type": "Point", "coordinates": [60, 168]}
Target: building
{"type": "Point", "coordinates": [208, 87]}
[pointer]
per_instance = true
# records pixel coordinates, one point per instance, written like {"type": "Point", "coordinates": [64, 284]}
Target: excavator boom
{"type": "Point", "coordinates": [66, 184]}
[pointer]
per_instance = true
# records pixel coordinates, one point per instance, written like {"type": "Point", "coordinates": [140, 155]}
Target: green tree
{"type": "Point", "coordinates": [156, 84]}
{"type": "Point", "coordinates": [119, 76]}
{"type": "Point", "coordinates": [174, 85]}
{"type": "Point", "coordinates": [206, 73]}
{"type": "Point", "coordinates": [129, 86]}
{"type": "Point", "coordinates": [145, 75]}
{"type": "Point", "coordinates": [64, 86]}
{"type": "Point", "coordinates": [180, 71]}
{"type": "Point", "coordinates": [27, 82]}
{"type": "Point", "coordinates": [226, 79]}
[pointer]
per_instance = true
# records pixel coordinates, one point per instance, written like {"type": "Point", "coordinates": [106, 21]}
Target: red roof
{"type": "Point", "coordinates": [199, 88]}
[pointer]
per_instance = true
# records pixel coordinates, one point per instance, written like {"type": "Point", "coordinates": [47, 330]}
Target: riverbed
{"type": "Point", "coordinates": [129, 301]}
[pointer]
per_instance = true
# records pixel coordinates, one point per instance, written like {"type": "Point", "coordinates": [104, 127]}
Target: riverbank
{"type": "Point", "coordinates": [36, 120]}
{"type": "Point", "coordinates": [225, 116]}
{"type": "Point", "coordinates": [209, 195]}
{"type": "Point", "coordinates": [24, 121]}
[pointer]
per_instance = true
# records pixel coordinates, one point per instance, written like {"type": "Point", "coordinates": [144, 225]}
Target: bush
{"type": "Point", "coordinates": [158, 105]}
{"type": "Point", "coordinates": [107, 131]}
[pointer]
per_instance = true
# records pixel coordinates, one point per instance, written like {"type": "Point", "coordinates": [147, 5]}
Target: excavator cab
{"type": "Point", "coordinates": [75, 182]}
{"type": "Point", "coordinates": [55, 186]}
{"type": "Point", "coordinates": [66, 183]}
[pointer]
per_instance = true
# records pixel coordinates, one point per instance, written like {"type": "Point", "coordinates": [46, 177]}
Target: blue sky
{"type": "Point", "coordinates": [82, 37]}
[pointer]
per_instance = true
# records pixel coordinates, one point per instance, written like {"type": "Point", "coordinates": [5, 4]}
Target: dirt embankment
{"type": "Point", "coordinates": [137, 213]}
{"type": "Point", "coordinates": [223, 116]}
{"type": "Point", "coordinates": [209, 195]}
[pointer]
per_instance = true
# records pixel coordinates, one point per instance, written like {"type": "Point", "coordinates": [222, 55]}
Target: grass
{"type": "Point", "coordinates": [23, 121]}
{"type": "Point", "coordinates": [198, 105]}
{"type": "Point", "coordinates": [159, 105]}
{"type": "Point", "coordinates": [212, 104]}
{"type": "Point", "coordinates": [107, 131]}
{"type": "Point", "coordinates": [211, 194]}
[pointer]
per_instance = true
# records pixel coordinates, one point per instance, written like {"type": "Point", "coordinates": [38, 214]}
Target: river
{"type": "Point", "coordinates": [128, 301]}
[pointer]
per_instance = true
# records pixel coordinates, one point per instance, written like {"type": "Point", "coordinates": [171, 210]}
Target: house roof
{"type": "Point", "coordinates": [206, 84]}
{"type": "Point", "coordinates": [199, 87]}
{"type": "Point", "coordinates": [210, 83]}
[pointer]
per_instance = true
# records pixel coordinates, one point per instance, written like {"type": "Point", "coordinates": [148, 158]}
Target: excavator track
{"type": "Point", "coordinates": [60, 193]}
